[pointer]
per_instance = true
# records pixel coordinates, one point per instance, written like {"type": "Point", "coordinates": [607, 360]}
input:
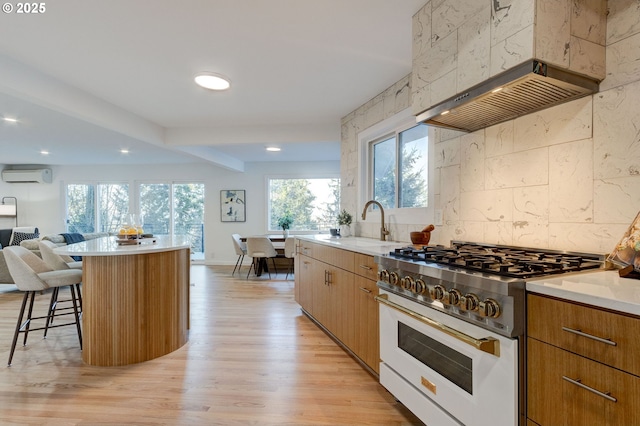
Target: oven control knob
{"type": "Point", "coordinates": [489, 308]}
{"type": "Point", "coordinates": [454, 297]}
{"type": "Point", "coordinates": [469, 302]}
{"type": "Point", "coordinates": [383, 275]}
{"type": "Point", "coordinates": [393, 278]}
{"type": "Point", "coordinates": [421, 287]}
{"type": "Point", "coordinates": [439, 293]}
{"type": "Point", "coordinates": [408, 283]}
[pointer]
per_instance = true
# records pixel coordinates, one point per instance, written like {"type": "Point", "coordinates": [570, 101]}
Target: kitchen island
{"type": "Point", "coordinates": [135, 304]}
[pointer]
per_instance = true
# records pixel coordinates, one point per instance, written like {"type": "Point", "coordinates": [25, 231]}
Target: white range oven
{"type": "Point", "coordinates": [452, 322]}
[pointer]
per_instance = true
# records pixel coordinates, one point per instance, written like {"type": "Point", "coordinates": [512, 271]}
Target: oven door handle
{"type": "Point", "coordinates": [487, 344]}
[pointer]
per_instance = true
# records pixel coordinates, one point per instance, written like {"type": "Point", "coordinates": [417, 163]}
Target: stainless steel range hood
{"type": "Point", "coordinates": [524, 89]}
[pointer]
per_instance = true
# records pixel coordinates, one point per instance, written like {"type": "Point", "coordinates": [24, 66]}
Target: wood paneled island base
{"type": "Point", "coordinates": [135, 304]}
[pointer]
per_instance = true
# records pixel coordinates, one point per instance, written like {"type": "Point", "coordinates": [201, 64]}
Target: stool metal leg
{"type": "Point", "coordinates": [19, 323]}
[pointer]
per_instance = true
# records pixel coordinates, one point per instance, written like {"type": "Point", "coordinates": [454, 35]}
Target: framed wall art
{"type": "Point", "coordinates": [232, 205]}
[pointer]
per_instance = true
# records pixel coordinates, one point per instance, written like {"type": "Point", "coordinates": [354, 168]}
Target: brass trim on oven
{"type": "Point", "coordinates": [487, 344]}
{"type": "Point", "coordinates": [428, 384]}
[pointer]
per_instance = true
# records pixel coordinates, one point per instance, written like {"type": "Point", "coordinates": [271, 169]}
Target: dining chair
{"type": "Point", "coordinates": [260, 249]}
{"type": "Point", "coordinates": [241, 250]}
{"type": "Point", "coordinates": [32, 275]}
{"type": "Point", "coordinates": [289, 253]}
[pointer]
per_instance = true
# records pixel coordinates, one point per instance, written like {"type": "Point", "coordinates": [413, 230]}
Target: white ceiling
{"type": "Point", "coordinates": [87, 78]}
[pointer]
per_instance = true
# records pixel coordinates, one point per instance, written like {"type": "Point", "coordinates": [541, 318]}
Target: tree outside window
{"type": "Point", "coordinates": [399, 168]}
{"type": "Point", "coordinates": [312, 203]}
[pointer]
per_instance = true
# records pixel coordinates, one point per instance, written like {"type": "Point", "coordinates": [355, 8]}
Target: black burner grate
{"type": "Point", "coordinates": [505, 261]}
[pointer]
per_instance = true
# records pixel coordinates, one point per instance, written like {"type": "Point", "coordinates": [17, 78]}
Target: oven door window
{"type": "Point", "coordinates": [451, 364]}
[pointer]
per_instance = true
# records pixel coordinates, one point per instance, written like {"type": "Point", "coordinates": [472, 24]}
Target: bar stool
{"type": "Point", "coordinates": [59, 262]}
{"type": "Point", "coordinates": [31, 275]}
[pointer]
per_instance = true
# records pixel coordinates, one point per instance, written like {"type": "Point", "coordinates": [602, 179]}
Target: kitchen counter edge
{"type": "Point", "coordinates": [604, 289]}
{"type": "Point", "coordinates": [108, 246]}
{"type": "Point", "coordinates": [368, 246]}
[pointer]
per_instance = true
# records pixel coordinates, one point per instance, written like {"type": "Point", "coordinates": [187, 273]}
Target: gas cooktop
{"type": "Point", "coordinates": [506, 261]}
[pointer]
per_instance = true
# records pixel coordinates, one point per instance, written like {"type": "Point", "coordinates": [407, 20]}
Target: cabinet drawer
{"type": "Point", "coordinates": [365, 266]}
{"type": "Point", "coordinates": [604, 336]}
{"type": "Point", "coordinates": [305, 247]}
{"type": "Point", "coordinates": [554, 400]}
{"type": "Point", "coordinates": [339, 258]}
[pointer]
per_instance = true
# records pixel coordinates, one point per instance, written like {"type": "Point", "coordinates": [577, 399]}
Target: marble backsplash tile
{"type": "Point", "coordinates": [562, 123]}
{"type": "Point", "coordinates": [616, 114]}
{"type": "Point", "coordinates": [571, 182]}
{"type": "Point", "coordinates": [622, 65]}
{"type": "Point", "coordinates": [525, 168]}
{"type": "Point", "coordinates": [622, 20]}
{"type": "Point", "coordinates": [616, 200]}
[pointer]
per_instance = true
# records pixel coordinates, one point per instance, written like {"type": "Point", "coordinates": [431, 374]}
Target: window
{"type": "Point", "coordinates": [176, 208]}
{"type": "Point", "coordinates": [399, 164]}
{"type": "Point", "coordinates": [96, 208]}
{"type": "Point", "coordinates": [313, 203]}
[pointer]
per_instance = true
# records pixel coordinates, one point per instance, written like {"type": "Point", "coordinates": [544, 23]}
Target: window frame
{"type": "Point", "coordinates": [399, 122]}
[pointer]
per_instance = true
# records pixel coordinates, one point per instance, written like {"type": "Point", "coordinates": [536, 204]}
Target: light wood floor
{"type": "Point", "coordinates": [252, 359]}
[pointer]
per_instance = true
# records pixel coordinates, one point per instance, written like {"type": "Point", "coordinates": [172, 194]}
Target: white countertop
{"type": "Point", "coordinates": [362, 245]}
{"type": "Point", "coordinates": [604, 289]}
{"type": "Point", "coordinates": [108, 246]}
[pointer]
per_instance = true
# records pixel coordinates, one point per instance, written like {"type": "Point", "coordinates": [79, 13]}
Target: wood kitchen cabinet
{"type": "Point", "coordinates": [337, 288]}
{"type": "Point", "coordinates": [582, 364]}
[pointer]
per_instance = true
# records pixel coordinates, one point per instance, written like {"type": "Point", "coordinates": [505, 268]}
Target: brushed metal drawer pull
{"type": "Point", "coordinates": [578, 383]}
{"type": "Point", "coordinates": [368, 268]}
{"type": "Point", "coordinates": [366, 290]}
{"type": "Point", "coordinates": [590, 336]}
{"type": "Point", "coordinates": [486, 344]}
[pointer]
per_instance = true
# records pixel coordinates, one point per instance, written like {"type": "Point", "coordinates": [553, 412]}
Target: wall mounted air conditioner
{"type": "Point", "coordinates": [27, 176]}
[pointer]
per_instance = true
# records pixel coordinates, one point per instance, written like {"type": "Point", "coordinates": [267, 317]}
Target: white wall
{"type": "Point", "coordinates": [42, 205]}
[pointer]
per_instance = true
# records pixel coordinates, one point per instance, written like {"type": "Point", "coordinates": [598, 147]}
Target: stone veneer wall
{"type": "Point", "coordinates": [565, 178]}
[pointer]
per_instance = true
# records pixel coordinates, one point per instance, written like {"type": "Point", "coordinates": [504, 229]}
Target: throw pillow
{"type": "Point", "coordinates": [19, 237]}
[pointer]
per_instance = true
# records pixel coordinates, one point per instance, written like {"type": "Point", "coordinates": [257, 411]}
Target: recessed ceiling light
{"type": "Point", "coordinates": [212, 81]}
{"type": "Point", "coordinates": [124, 151]}
{"type": "Point", "coordinates": [44, 152]}
{"type": "Point", "coordinates": [273, 148]}
{"type": "Point", "coordinates": [10, 120]}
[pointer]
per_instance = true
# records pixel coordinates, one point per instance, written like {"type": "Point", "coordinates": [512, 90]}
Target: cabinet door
{"type": "Point", "coordinates": [321, 296]}
{"type": "Point", "coordinates": [333, 300]}
{"type": "Point", "coordinates": [367, 328]}
{"type": "Point", "coordinates": [342, 296]}
{"type": "Point", "coordinates": [304, 278]}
